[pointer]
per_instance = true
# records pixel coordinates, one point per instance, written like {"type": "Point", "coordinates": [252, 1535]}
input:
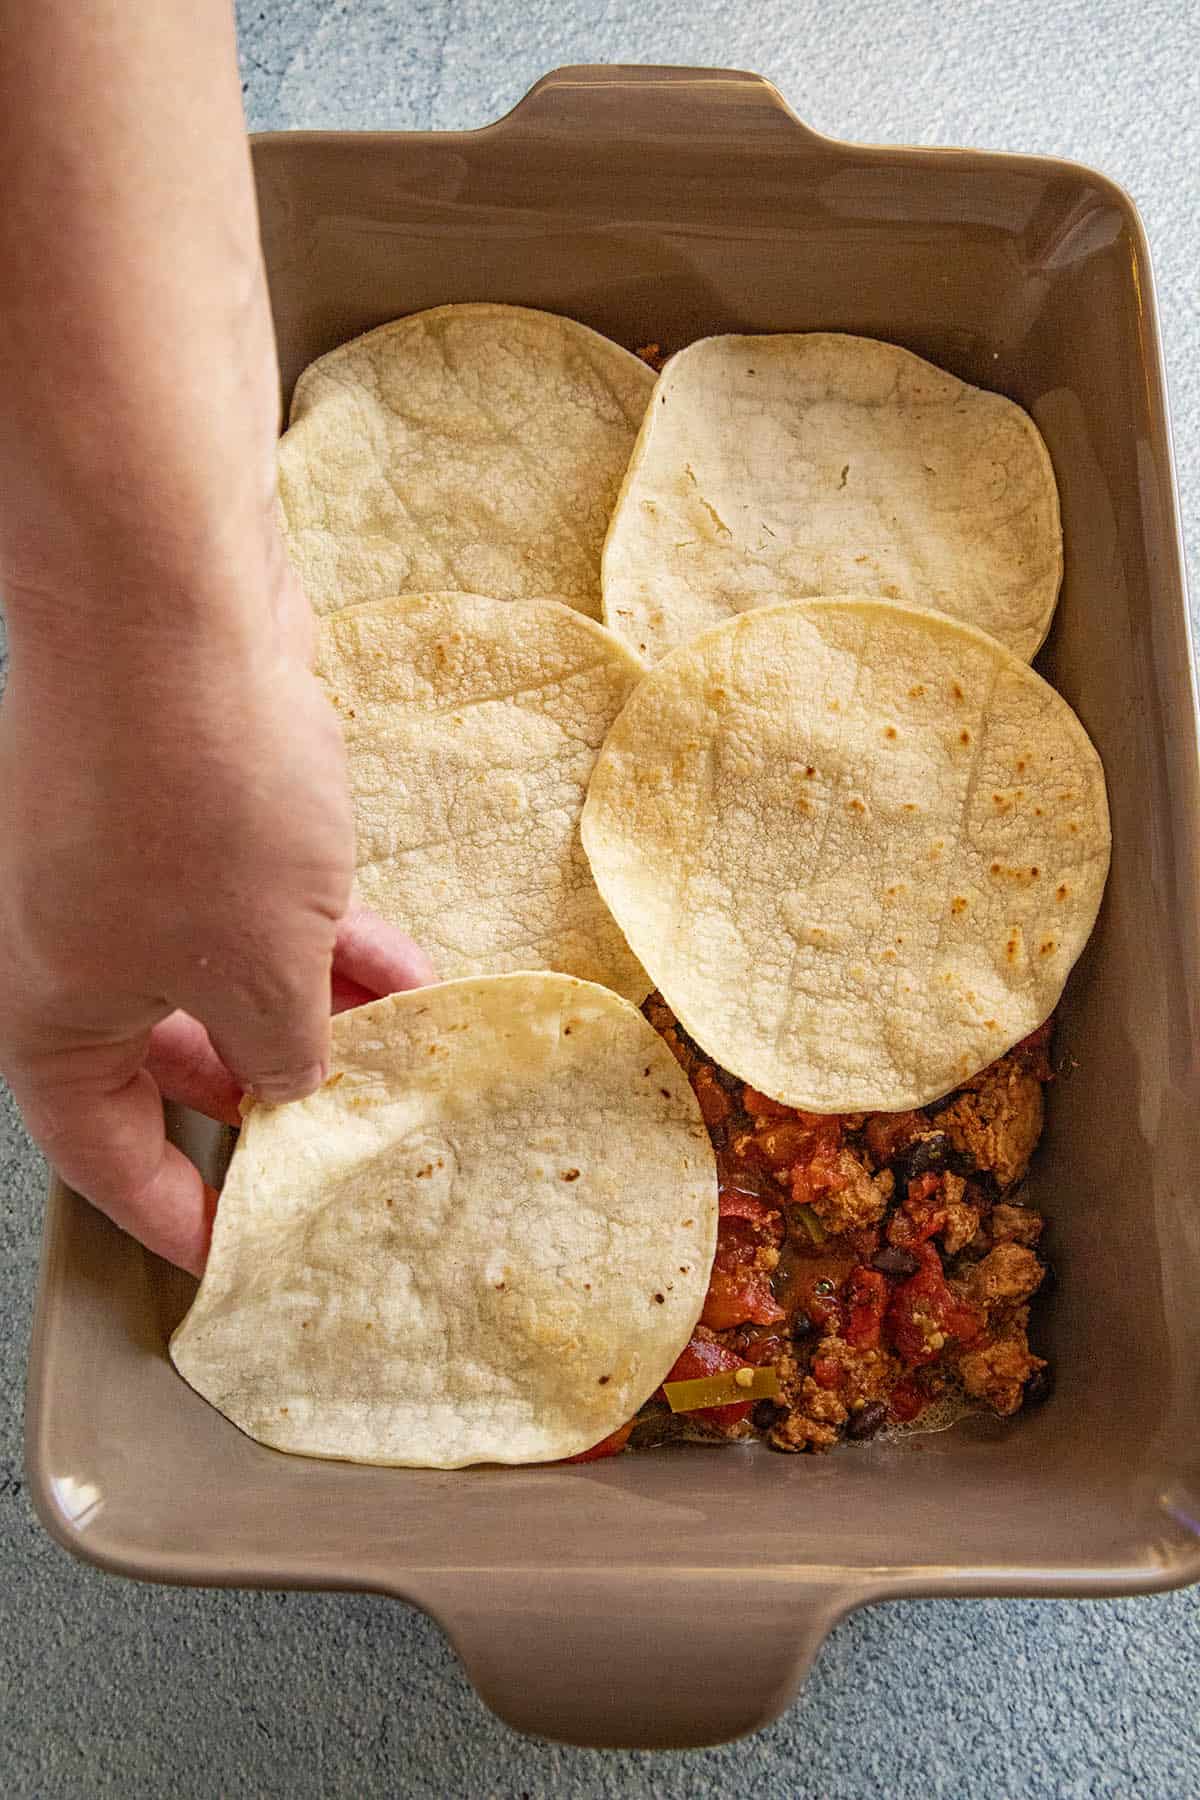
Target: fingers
{"type": "Point", "coordinates": [371, 958]}
{"type": "Point", "coordinates": [100, 1122]}
{"type": "Point", "coordinates": [377, 957]}
{"type": "Point", "coordinates": [187, 1069]}
{"type": "Point", "coordinates": [344, 994]}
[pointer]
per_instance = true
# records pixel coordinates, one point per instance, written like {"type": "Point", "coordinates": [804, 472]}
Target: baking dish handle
{"type": "Point", "coordinates": [659, 103]}
{"type": "Point", "coordinates": [641, 1658]}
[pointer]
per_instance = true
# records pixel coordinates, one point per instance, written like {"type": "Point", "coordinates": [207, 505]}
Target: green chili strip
{"type": "Point", "coordinates": [723, 1389]}
{"type": "Point", "coordinates": [804, 1215]}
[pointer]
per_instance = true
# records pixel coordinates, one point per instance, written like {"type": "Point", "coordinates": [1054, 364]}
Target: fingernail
{"type": "Point", "coordinates": [278, 1088]}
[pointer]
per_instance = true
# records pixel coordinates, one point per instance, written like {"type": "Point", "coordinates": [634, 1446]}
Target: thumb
{"type": "Point", "coordinates": [270, 1027]}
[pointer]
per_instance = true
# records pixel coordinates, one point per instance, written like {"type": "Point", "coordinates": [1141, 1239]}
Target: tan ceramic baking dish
{"type": "Point", "coordinates": [678, 1597]}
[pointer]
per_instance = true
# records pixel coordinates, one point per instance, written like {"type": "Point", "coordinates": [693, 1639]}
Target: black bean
{"type": "Point", "coordinates": [1039, 1387]}
{"type": "Point", "coordinates": [865, 1424]}
{"type": "Point", "coordinates": [894, 1261]}
{"type": "Point", "coordinates": [802, 1326]}
{"type": "Point", "coordinates": [923, 1156]}
{"type": "Point", "coordinates": [765, 1414]}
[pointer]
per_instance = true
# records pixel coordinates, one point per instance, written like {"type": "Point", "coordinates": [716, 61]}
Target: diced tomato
{"type": "Point", "coordinates": [740, 1236]}
{"type": "Point", "coordinates": [779, 1146]}
{"type": "Point", "coordinates": [739, 1296]}
{"type": "Point", "coordinates": [703, 1357]}
{"type": "Point", "coordinates": [923, 1313]}
{"type": "Point", "coordinates": [867, 1297]}
{"type": "Point", "coordinates": [739, 1166]}
{"type": "Point", "coordinates": [609, 1446]}
{"type": "Point", "coordinates": [904, 1232]}
{"type": "Point", "coordinates": [827, 1371]}
{"type": "Point", "coordinates": [963, 1323]}
{"type": "Point", "coordinates": [922, 1215]}
{"type": "Point", "coordinates": [889, 1133]}
{"type": "Point", "coordinates": [763, 1350]}
{"type": "Point", "coordinates": [739, 1291]}
{"type": "Point", "coordinates": [818, 1174]}
{"type": "Point", "coordinates": [735, 1203]}
{"type": "Point", "coordinates": [760, 1106]}
{"type": "Point", "coordinates": [788, 1137]}
{"type": "Point", "coordinates": [825, 1311]}
{"type": "Point", "coordinates": [906, 1402]}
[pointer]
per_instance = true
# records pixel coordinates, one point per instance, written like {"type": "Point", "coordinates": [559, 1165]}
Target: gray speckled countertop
{"type": "Point", "coordinates": [111, 1689]}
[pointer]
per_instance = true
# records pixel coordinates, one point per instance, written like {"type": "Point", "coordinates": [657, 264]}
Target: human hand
{"type": "Point", "coordinates": [176, 851]}
{"type": "Point", "coordinates": [175, 833]}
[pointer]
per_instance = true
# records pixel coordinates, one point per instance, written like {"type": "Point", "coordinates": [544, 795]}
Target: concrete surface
{"type": "Point", "coordinates": [110, 1689]}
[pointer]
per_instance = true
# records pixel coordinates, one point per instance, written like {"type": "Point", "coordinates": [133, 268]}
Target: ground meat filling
{"type": "Point", "coordinates": [997, 1368]}
{"type": "Point", "coordinates": [873, 1261]}
{"type": "Point", "coordinates": [997, 1123]}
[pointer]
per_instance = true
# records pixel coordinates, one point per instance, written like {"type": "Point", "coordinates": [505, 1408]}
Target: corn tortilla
{"type": "Point", "coordinates": [471, 727]}
{"type": "Point", "coordinates": [856, 846]}
{"type": "Point", "coordinates": [475, 449]}
{"type": "Point", "coordinates": [777, 468]}
{"type": "Point", "coordinates": [486, 1239]}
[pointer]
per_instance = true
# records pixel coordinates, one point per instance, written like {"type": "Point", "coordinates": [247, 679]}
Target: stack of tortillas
{"type": "Point", "coordinates": [804, 783]}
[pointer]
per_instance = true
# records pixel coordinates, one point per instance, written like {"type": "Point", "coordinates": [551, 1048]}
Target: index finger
{"type": "Point", "coordinates": [372, 958]}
